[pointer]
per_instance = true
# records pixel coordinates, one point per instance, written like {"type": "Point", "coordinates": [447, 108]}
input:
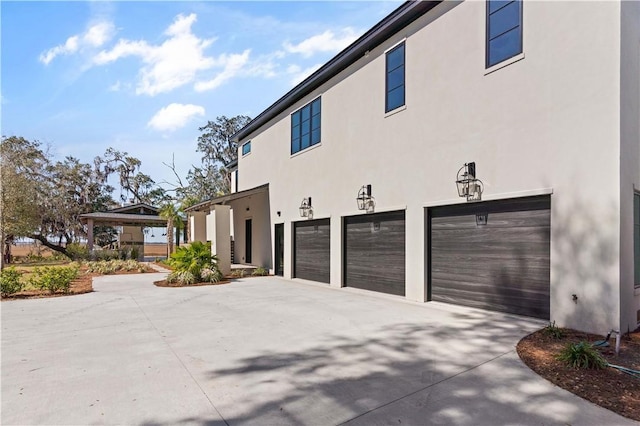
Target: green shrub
{"type": "Point", "coordinates": [77, 251]}
{"type": "Point", "coordinates": [582, 355]}
{"type": "Point", "coordinates": [54, 278]}
{"type": "Point", "coordinates": [193, 258]}
{"type": "Point", "coordinates": [10, 281]}
{"type": "Point", "coordinates": [553, 331]}
{"type": "Point", "coordinates": [182, 277]}
{"type": "Point", "coordinates": [237, 273]}
{"type": "Point", "coordinates": [211, 275]}
{"type": "Point", "coordinates": [260, 272]}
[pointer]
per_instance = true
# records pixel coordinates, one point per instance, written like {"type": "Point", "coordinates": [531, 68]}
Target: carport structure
{"type": "Point", "coordinates": [133, 219]}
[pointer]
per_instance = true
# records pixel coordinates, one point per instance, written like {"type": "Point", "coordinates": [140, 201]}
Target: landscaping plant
{"type": "Point", "coordinates": [10, 281]}
{"type": "Point", "coordinates": [553, 331]}
{"type": "Point", "coordinates": [54, 278]}
{"type": "Point", "coordinates": [260, 272]}
{"type": "Point", "coordinates": [582, 355]}
{"type": "Point", "coordinates": [194, 259]}
{"type": "Point", "coordinates": [182, 277]}
{"type": "Point", "coordinates": [211, 275]}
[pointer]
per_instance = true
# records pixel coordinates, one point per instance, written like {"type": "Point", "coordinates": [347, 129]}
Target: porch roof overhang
{"type": "Point", "coordinates": [122, 219]}
{"type": "Point", "coordinates": [205, 205]}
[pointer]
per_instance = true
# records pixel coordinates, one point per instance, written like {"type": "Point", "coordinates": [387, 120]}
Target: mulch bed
{"type": "Point", "coordinates": [608, 388]}
{"type": "Point", "coordinates": [81, 285]}
{"type": "Point", "coordinates": [164, 283]}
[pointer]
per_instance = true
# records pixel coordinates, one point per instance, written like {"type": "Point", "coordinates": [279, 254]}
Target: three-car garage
{"type": "Point", "coordinates": [493, 255]}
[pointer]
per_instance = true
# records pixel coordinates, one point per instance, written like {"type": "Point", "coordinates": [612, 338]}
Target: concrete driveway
{"type": "Point", "coordinates": [268, 351]}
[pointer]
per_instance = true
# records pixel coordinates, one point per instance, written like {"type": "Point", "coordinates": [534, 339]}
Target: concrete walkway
{"type": "Point", "coordinates": [268, 351]}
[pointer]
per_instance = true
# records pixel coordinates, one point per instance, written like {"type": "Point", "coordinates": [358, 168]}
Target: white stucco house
{"type": "Point", "coordinates": [485, 154]}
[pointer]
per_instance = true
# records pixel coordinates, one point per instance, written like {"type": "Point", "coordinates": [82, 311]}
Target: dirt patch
{"type": "Point", "coordinates": [608, 388]}
{"type": "Point", "coordinates": [164, 283]}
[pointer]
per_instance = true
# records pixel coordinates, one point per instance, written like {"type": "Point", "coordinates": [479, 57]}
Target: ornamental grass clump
{"type": "Point", "coordinates": [260, 272]}
{"type": "Point", "coordinates": [553, 331]}
{"type": "Point", "coordinates": [582, 355]}
{"type": "Point", "coordinates": [182, 277]}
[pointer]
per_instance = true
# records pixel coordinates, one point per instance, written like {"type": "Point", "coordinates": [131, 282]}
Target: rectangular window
{"type": "Point", "coordinates": [504, 30]}
{"type": "Point", "coordinates": [636, 239]}
{"type": "Point", "coordinates": [236, 172]}
{"type": "Point", "coordinates": [305, 126]}
{"type": "Point", "coordinates": [394, 82]}
{"type": "Point", "coordinates": [246, 148]}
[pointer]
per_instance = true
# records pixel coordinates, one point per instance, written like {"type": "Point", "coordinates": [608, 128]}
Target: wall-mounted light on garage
{"type": "Point", "coordinates": [365, 199]}
{"type": "Point", "coordinates": [306, 210]}
{"type": "Point", "coordinates": [468, 185]}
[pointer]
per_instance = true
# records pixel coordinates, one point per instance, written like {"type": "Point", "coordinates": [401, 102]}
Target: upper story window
{"type": "Point", "coordinates": [636, 238]}
{"type": "Point", "coordinates": [305, 126]}
{"type": "Point", "coordinates": [504, 30]}
{"type": "Point", "coordinates": [236, 180]}
{"type": "Point", "coordinates": [246, 148]}
{"type": "Point", "coordinates": [394, 82]}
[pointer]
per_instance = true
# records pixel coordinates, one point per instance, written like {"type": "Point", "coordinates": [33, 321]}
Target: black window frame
{"type": "Point", "coordinates": [236, 183]}
{"type": "Point", "coordinates": [488, 37]}
{"type": "Point", "coordinates": [402, 45]}
{"type": "Point", "coordinates": [312, 110]}
{"type": "Point", "coordinates": [248, 151]}
{"type": "Point", "coordinates": [636, 243]}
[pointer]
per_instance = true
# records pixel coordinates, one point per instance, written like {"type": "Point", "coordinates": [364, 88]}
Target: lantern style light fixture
{"type": "Point", "coordinates": [468, 185]}
{"type": "Point", "coordinates": [305, 208]}
{"type": "Point", "coordinates": [365, 200]}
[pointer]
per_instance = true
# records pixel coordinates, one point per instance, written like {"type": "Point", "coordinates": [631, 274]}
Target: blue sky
{"type": "Point", "coordinates": [142, 77]}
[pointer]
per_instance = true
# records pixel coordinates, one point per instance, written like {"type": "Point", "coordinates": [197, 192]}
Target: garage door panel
{"type": "Point", "coordinates": [503, 265]}
{"type": "Point", "coordinates": [312, 250]}
{"type": "Point", "coordinates": [375, 252]}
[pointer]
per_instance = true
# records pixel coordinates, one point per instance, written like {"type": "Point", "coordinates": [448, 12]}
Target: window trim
{"type": "Point", "coordinates": [404, 76]}
{"type": "Point", "coordinates": [311, 115]}
{"type": "Point", "coordinates": [494, 67]}
{"type": "Point", "coordinates": [636, 216]}
{"type": "Point", "coordinates": [244, 154]}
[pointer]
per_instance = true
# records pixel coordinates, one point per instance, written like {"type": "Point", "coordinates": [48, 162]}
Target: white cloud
{"type": "Point", "coordinates": [95, 36]}
{"type": "Point", "coordinates": [169, 65]}
{"type": "Point", "coordinates": [298, 74]}
{"type": "Point", "coordinates": [115, 87]}
{"type": "Point", "coordinates": [174, 116]}
{"type": "Point", "coordinates": [233, 65]}
{"type": "Point", "coordinates": [328, 41]}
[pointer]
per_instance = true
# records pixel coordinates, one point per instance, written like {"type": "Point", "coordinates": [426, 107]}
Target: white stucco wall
{"type": "Point", "coordinates": [548, 121]}
{"type": "Point", "coordinates": [254, 207]}
{"type": "Point", "coordinates": [629, 157]}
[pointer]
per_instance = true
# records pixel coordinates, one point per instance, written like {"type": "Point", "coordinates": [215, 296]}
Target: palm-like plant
{"type": "Point", "coordinates": [194, 258]}
{"type": "Point", "coordinates": [172, 214]}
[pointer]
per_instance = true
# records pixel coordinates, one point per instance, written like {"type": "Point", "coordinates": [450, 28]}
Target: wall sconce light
{"type": "Point", "coordinates": [365, 199]}
{"type": "Point", "coordinates": [468, 185]}
{"type": "Point", "coordinates": [278, 213]}
{"type": "Point", "coordinates": [305, 208]}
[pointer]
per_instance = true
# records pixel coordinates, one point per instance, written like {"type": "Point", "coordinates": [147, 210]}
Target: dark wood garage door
{"type": "Point", "coordinates": [503, 265]}
{"type": "Point", "coordinates": [312, 250]}
{"type": "Point", "coordinates": [374, 252]}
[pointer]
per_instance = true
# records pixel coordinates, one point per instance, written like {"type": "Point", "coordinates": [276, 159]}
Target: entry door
{"type": "Point", "coordinates": [247, 241]}
{"type": "Point", "coordinates": [279, 249]}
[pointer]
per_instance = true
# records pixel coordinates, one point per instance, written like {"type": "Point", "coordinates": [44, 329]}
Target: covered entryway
{"type": "Point", "coordinates": [312, 250]}
{"type": "Point", "coordinates": [374, 252]}
{"type": "Point", "coordinates": [492, 255]}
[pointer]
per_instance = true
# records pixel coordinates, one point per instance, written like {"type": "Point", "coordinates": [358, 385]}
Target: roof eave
{"type": "Point", "coordinates": [394, 22]}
